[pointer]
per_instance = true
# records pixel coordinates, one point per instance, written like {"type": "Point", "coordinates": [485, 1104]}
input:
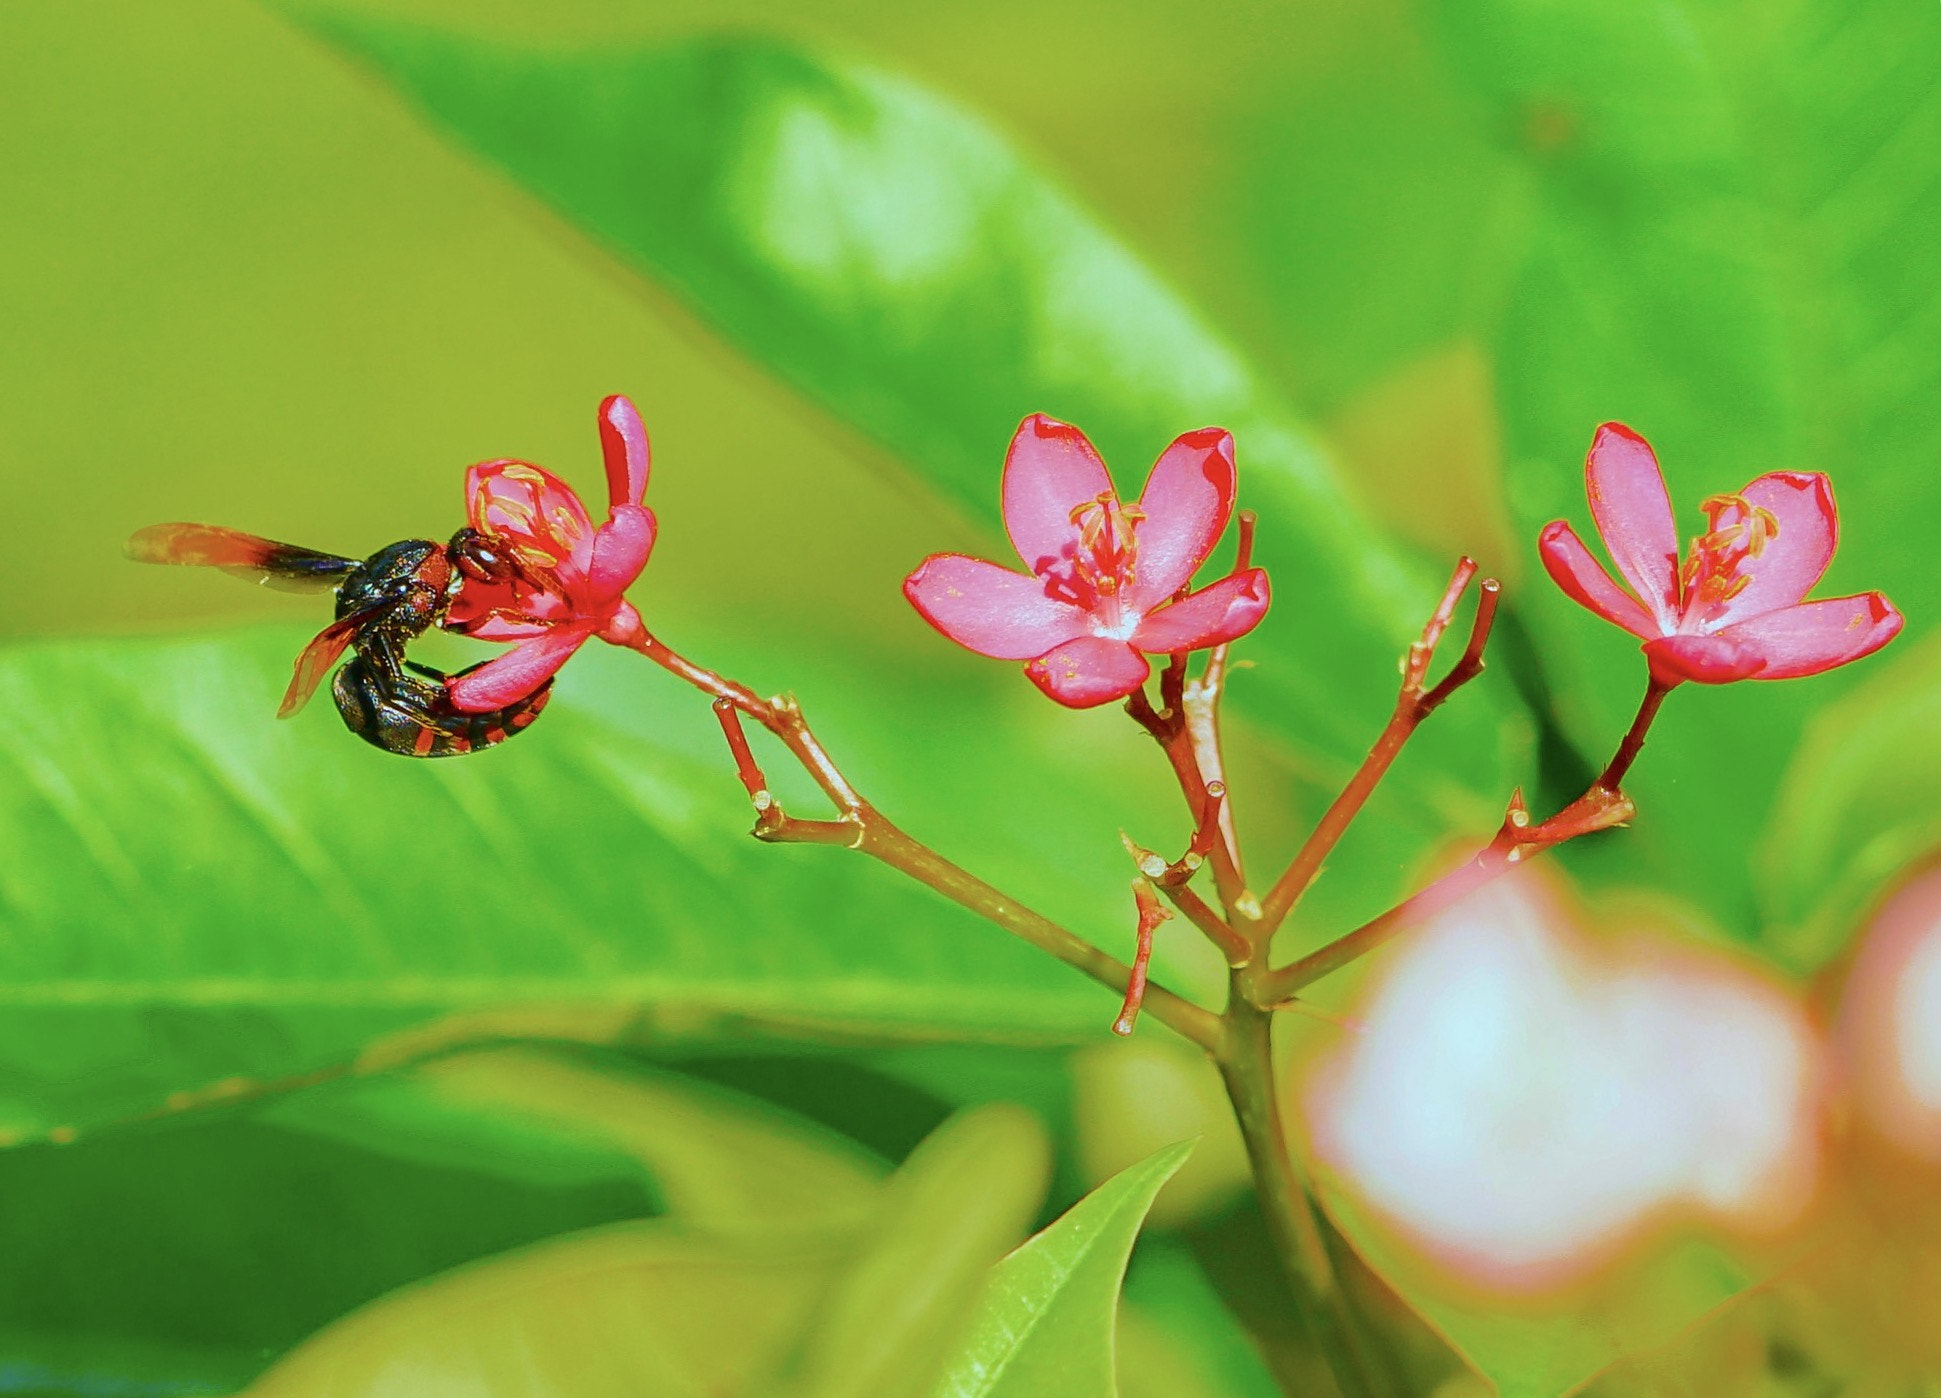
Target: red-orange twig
{"type": "Point", "coordinates": [861, 826]}
{"type": "Point", "coordinates": [1412, 705]}
{"type": "Point", "coordinates": [1150, 916]}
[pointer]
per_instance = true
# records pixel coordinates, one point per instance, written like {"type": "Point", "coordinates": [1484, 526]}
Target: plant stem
{"type": "Point", "coordinates": [883, 840]}
{"type": "Point", "coordinates": [1515, 841]}
{"type": "Point", "coordinates": [1412, 705]}
{"type": "Point", "coordinates": [1246, 1066]}
{"type": "Point", "coordinates": [861, 826]}
{"type": "Point", "coordinates": [1620, 764]}
{"type": "Point", "coordinates": [1602, 806]}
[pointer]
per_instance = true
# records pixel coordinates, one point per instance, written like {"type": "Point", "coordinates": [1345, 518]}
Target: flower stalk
{"type": "Point", "coordinates": [1412, 705]}
{"type": "Point", "coordinates": [860, 826]}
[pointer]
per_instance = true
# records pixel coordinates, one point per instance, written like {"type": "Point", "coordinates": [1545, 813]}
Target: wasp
{"type": "Point", "coordinates": [384, 602]}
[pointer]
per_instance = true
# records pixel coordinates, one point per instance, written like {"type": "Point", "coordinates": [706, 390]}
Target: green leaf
{"type": "Point", "coordinates": [196, 1246]}
{"type": "Point", "coordinates": [1856, 806]}
{"type": "Point", "coordinates": [960, 1202]}
{"type": "Point", "coordinates": [1725, 213]}
{"type": "Point", "coordinates": [1048, 1322]}
{"type": "Point", "coordinates": [797, 1306]}
{"type": "Point", "coordinates": [624, 1310]}
{"type": "Point", "coordinates": [1545, 1346]}
{"type": "Point", "coordinates": [901, 263]}
{"type": "Point", "coordinates": [199, 1247]}
{"type": "Point", "coordinates": [1177, 1339]}
{"type": "Point", "coordinates": [197, 897]}
{"type": "Point", "coordinates": [714, 1158]}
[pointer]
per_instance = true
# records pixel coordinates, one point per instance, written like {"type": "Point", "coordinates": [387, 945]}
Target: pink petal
{"type": "Point", "coordinates": [620, 549]}
{"type": "Point", "coordinates": [1633, 515]}
{"type": "Point", "coordinates": [1212, 616]}
{"type": "Point", "coordinates": [1706, 659]}
{"type": "Point", "coordinates": [1816, 636]}
{"type": "Point", "coordinates": [1802, 502]}
{"type": "Point", "coordinates": [508, 610]}
{"type": "Point", "coordinates": [992, 610]}
{"type": "Point", "coordinates": [516, 674]}
{"type": "Point", "coordinates": [1088, 671]}
{"type": "Point", "coordinates": [1187, 501]}
{"type": "Point", "coordinates": [623, 443]}
{"type": "Point", "coordinates": [1049, 471]}
{"type": "Point", "coordinates": [1573, 568]}
{"type": "Point", "coordinates": [503, 626]}
{"type": "Point", "coordinates": [534, 511]}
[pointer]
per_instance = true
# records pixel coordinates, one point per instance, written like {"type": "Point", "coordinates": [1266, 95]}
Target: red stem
{"type": "Point", "coordinates": [1619, 767]}
{"type": "Point", "coordinates": [1601, 806]}
{"type": "Point", "coordinates": [861, 826]}
{"type": "Point", "coordinates": [1412, 705]}
{"type": "Point", "coordinates": [1150, 916]}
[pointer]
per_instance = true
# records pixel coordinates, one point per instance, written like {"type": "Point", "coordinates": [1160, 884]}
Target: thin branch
{"type": "Point", "coordinates": [1172, 683]}
{"type": "Point", "coordinates": [1412, 706]}
{"type": "Point", "coordinates": [1488, 594]}
{"type": "Point", "coordinates": [1516, 840]}
{"type": "Point", "coordinates": [1415, 669]}
{"type": "Point", "coordinates": [1601, 807]}
{"type": "Point", "coordinates": [1231, 944]}
{"type": "Point", "coordinates": [862, 827]}
{"type": "Point", "coordinates": [772, 824]}
{"type": "Point", "coordinates": [1150, 916]}
{"type": "Point", "coordinates": [1612, 778]}
{"type": "Point", "coordinates": [1206, 833]}
{"type": "Point", "coordinates": [892, 846]}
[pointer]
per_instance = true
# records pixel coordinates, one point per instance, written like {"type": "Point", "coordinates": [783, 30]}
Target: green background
{"type": "Point", "coordinates": [293, 270]}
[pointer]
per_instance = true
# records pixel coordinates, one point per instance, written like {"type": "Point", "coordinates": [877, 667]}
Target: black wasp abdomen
{"type": "Point", "coordinates": [416, 719]}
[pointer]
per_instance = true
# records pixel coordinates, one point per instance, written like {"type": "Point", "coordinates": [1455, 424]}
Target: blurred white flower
{"type": "Point", "coordinates": [1890, 1019]}
{"type": "Point", "coordinates": [1524, 1098]}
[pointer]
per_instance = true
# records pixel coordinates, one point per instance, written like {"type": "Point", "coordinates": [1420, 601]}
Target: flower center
{"type": "Point", "coordinates": [1104, 564]}
{"type": "Point", "coordinates": [1107, 546]}
{"type": "Point", "coordinates": [1712, 572]}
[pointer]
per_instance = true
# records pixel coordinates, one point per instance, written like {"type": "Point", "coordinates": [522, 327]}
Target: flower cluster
{"type": "Point", "coordinates": [1106, 583]}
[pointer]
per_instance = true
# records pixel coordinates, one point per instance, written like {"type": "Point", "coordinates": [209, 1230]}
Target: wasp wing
{"type": "Point", "coordinates": [317, 658]}
{"type": "Point", "coordinates": [286, 567]}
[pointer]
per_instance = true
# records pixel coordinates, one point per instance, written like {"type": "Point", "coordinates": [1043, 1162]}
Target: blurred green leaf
{"type": "Point", "coordinates": [1177, 1339]}
{"type": "Point", "coordinates": [1541, 1346]}
{"type": "Point", "coordinates": [195, 1247]}
{"type": "Point", "coordinates": [1727, 212]}
{"type": "Point", "coordinates": [189, 1252]}
{"type": "Point", "coordinates": [1048, 1321]}
{"type": "Point", "coordinates": [670, 1309]}
{"type": "Point", "coordinates": [197, 897]}
{"type": "Point", "coordinates": [896, 259]}
{"type": "Point", "coordinates": [960, 1202]}
{"type": "Point", "coordinates": [714, 1158]}
{"type": "Point", "coordinates": [1856, 806]}
{"type": "Point", "coordinates": [624, 1310]}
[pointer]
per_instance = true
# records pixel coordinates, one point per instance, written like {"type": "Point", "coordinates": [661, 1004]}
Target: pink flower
{"type": "Point", "coordinates": [1105, 577]}
{"type": "Point", "coordinates": [575, 575]}
{"type": "Point", "coordinates": [1734, 608]}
